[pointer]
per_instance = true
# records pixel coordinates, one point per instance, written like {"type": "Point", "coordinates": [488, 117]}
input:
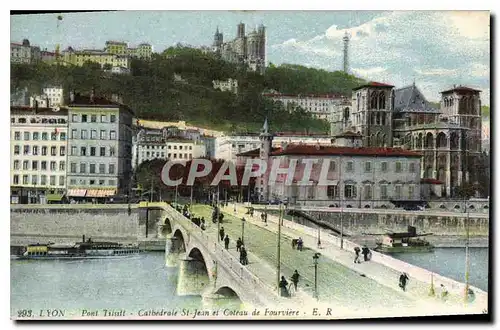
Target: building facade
{"type": "Point", "coordinates": [319, 105]}
{"type": "Point", "coordinates": [24, 53]}
{"type": "Point", "coordinates": [38, 154]}
{"type": "Point", "coordinates": [230, 85]}
{"type": "Point", "coordinates": [142, 51]}
{"type": "Point", "coordinates": [104, 59]}
{"type": "Point", "coordinates": [99, 146]}
{"type": "Point", "coordinates": [248, 49]}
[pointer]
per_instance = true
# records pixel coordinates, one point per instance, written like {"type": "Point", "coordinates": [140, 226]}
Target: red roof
{"type": "Point", "coordinates": [462, 89]}
{"type": "Point", "coordinates": [430, 181]}
{"type": "Point", "coordinates": [316, 150]}
{"type": "Point", "coordinates": [373, 84]}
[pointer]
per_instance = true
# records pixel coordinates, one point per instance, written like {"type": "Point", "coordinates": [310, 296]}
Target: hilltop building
{"type": "Point", "coordinates": [230, 85]}
{"type": "Point", "coordinates": [24, 53]}
{"type": "Point", "coordinates": [319, 105]}
{"type": "Point", "coordinates": [248, 49]}
{"type": "Point", "coordinates": [143, 51]}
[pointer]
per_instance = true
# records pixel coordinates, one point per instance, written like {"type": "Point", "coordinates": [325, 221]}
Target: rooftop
{"type": "Point", "coordinates": [461, 89]}
{"type": "Point", "coordinates": [97, 101]}
{"type": "Point", "coordinates": [321, 96]}
{"type": "Point", "coordinates": [25, 110]}
{"type": "Point", "coordinates": [410, 99]}
{"type": "Point", "coordinates": [374, 84]}
{"type": "Point", "coordinates": [255, 152]}
{"type": "Point", "coordinates": [316, 150]}
{"type": "Point", "coordinates": [349, 134]}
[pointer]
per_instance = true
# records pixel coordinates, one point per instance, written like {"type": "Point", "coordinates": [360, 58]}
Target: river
{"type": "Point", "coordinates": [143, 282]}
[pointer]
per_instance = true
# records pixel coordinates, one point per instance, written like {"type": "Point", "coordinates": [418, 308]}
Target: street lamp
{"type": "Point", "coordinates": [466, 293]}
{"type": "Point", "coordinates": [243, 230]}
{"type": "Point", "coordinates": [315, 259]}
{"type": "Point", "coordinates": [278, 253]}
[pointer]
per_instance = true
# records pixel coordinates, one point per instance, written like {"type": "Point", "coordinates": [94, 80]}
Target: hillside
{"type": "Point", "coordinates": [154, 94]}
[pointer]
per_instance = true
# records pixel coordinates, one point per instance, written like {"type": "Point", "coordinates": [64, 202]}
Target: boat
{"type": "Point", "coordinates": [404, 242]}
{"type": "Point", "coordinates": [86, 249]}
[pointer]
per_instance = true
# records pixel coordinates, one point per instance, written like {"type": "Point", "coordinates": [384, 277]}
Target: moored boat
{"type": "Point", "coordinates": [404, 242]}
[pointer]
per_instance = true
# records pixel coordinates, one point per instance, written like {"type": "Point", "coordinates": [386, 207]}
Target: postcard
{"type": "Point", "coordinates": [249, 165]}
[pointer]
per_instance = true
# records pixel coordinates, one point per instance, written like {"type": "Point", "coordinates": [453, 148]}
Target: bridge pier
{"type": "Point", "coordinates": [174, 248]}
{"type": "Point", "coordinates": [193, 277]}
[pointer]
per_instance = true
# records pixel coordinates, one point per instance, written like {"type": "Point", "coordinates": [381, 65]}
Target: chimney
{"type": "Point", "coordinates": [72, 96]}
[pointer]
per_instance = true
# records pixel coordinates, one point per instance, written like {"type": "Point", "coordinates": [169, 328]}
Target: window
{"type": "Point", "coordinates": [103, 135]}
{"type": "Point", "coordinates": [383, 191]}
{"type": "Point", "coordinates": [91, 182]}
{"type": "Point", "coordinates": [175, 156]}
{"type": "Point", "coordinates": [101, 182]}
{"type": "Point", "coordinates": [16, 150]}
{"type": "Point", "coordinates": [185, 156]}
{"type": "Point", "coordinates": [368, 192]}
{"type": "Point", "coordinates": [111, 182]}
{"type": "Point", "coordinates": [74, 151]}
{"type": "Point", "coordinates": [73, 167]}
{"type": "Point", "coordinates": [398, 167]}
{"type": "Point", "coordinates": [368, 166]}
{"type": "Point", "coordinates": [12, 120]}
{"type": "Point", "coordinates": [17, 136]}
{"type": "Point", "coordinates": [53, 166]}
{"type": "Point", "coordinates": [16, 179]}
{"type": "Point", "coordinates": [111, 168]}
{"type": "Point", "coordinates": [112, 135]}
{"type": "Point", "coordinates": [26, 165]}
{"type": "Point", "coordinates": [175, 147]}
{"type": "Point", "coordinates": [83, 167]}
{"type": "Point", "coordinates": [26, 136]}
{"type": "Point", "coordinates": [16, 164]}
{"type": "Point", "coordinates": [102, 168]}
{"type": "Point", "coordinates": [26, 150]}
{"type": "Point", "coordinates": [61, 180]}
{"type": "Point", "coordinates": [83, 151]}
{"type": "Point", "coordinates": [92, 151]}
{"type": "Point", "coordinates": [62, 151]}
{"type": "Point", "coordinates": [93, 118]}
{"type": "Point", "coordinates": [112, 118]}
{"type": "Point", "coordinates": [83, 134]}
{"type": "Point", "coordinates": [191, 147]}
{"type": "Point", "coordinates": [74, 134]}
{"type": "Point", "coordinates": [36, 136]}
{"type": "Point", "coordinates": [43, 165]}
{"type": "Point", "coordinates": [350, 166]}
{"type": "Point", "coordinates": [62, 136]}
{"type": "Point", "coordinates": [180, 147]}
{"type": "Point", "coordinates": [34, 180]}
{"type": "Point", "coordinates": [53, 151]}
{"type": "Point", "coordinates": [35, 151]}
{"type": "Point", "coordinates": [93, 134]}
{"type": "Point", "coordinates": [52, 180]}
{"type": "Point", "coordinates": [332, 191]}
{"type": "Point", "coordinates": [412, 168]}
{"type": "Point", "coordinates": [45, 136]}
{"type": "Point", "coordinates": [34, 165]}
{"type": "Point", "coordinates": [84, 118]}
{"type": "Point", "coordinates": [72, 181]}
{"type": "Point", "coordinates": [384, 166]}
{"type": "Point", "coordinates": [411, 191]}
{"type": "Point", "coordinates": [74, 118]}
{"type": "Point", "coordinates": [25, 179]}
{"type": "Point", "coordinates": [111, 151]}
{"type": "Point", "coordinates": [103, 118]}
{"type": "Point", "coordinates": [62, 165]}
{"type": "Point", "coordinates": [53, 136]}
{"type": "Point", "coordinates": [102, 152]}
{"type": "Point", "coordinates": [43, 180]}
{"type": "Point", "coordinates": [92, 168]}
{"type": "Point", "coordinates": [397, 190]}
{"type": "Point", "coordinates": [169, 147]}
{"type": "Point", "coordinates": [350, 191]}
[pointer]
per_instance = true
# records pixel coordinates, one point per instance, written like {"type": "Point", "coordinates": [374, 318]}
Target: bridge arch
{"type": "Point", "coordinates": [166, 227]}
{"type": "Point", "coordinates": [179, 238]}
{"type": "Point", "coordinates": [197, 253]}
{"type": "Point", "coordinates": [227, 292]}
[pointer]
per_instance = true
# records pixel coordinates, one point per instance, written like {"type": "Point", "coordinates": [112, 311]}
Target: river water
{"type": "Point", "coordinates": [143, 282]}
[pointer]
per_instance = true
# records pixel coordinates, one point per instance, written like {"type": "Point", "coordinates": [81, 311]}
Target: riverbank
{"type": "Point", "coordinates": [439, 241]}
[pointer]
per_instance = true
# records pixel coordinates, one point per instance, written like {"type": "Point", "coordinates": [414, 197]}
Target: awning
{"type": "Point", "coordinates": [100, 192]}
{"type": "Point", "coordinates": [54, 197]}
{"type": "Point", "coordinates": [77, 192]}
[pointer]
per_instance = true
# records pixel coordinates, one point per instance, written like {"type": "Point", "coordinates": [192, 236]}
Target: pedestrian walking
{"type": "Point", "coordinates": [239, 244]}
{"type": "Point", "coordinates": [300, 244]}
{"type": "Point", "coordinates": [243, 256]}
{"type": "Point", "coordinates": [357, 250]}
{"type": "Point", "coordinates": [295, 279]}
{"type": "Point", "coordinates": [403, 279]}
{"type": "Point", "coordinates": [226, 242]}
{"type": "Point", "coordinates": [221, 233]}
{"type": "Point", "coordinates": [366, 253]}
{"type": "Point", "coordinates": [284, 287]}
{"type": "Point", "coordinates": [444, 292]}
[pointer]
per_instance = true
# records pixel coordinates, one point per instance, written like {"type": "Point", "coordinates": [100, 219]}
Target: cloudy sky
{"type": "Point", "coordinates": [436, 49]}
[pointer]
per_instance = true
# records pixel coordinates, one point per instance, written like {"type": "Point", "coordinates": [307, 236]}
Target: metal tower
{"type": "Point", "coordinates": [345, 39]}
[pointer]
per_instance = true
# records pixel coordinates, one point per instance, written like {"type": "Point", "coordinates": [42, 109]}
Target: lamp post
{"type": "Point", "coordinates": [278, 253]}
{"type": "Point", "coordinates": [315, 259]}
{"type": "Point", "coordinates": [243, 230]}
{"type": "Point", "coordinates": [466, 293]}
{"type": "Point", "coordinates": [319, 236]}
{"type": "Point", "coordinates": [341, 208]}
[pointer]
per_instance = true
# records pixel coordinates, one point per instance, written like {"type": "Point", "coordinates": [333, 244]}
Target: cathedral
{"type": "Point", "coordinates": [245, 49]}
{"type": "Point", "coordinates": [449, 138]}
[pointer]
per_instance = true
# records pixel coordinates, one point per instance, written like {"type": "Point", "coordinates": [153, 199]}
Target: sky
{"type": "Point", "coordinates": [434, 49]}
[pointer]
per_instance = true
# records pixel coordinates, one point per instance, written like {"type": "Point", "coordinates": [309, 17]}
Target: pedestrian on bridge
{"type": "Point", "coordinates": [226, 242]}
{"type": "Point", "coordinates": [239, 244]}
{"type": "Point", "coordinates": [284, 287]}
{"type": "Point", "coordinates": [300, 244]}
{"type": "Point", "coordinates": [366, 253]}
{"type": "Point", "coordinates": [403, 279]}
{"type": "Point", "coordinates": [243, 256]}
{"type": "Point", "coordinates": [356, 259]}
{"type": "Point", "coordinates": [295, 279]}
{"type": "Point", "coordinates": [221, 233]}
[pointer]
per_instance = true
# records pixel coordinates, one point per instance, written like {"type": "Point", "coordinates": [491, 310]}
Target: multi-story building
{"type": "Point", "coordinates": [249, 50]}
{"type": "Point", "coordinates": [38, 154]}
{"type": "Point", "coordinates": [104, 59]}
{"type": "Point", "coordinates": [230, 85]}
{"type": "Point", "coordinates": [318, 105]}
{"type": "Point", "coordinates": [20, 97]}
{"type": "Point", "coordinates": [143, 50]}
{"type": "Point", "coordinates": [24, 53]}
{"type": "Point", "coordinates": [99, 146]}
{"type": "Point", "coordinates": [209, 142]}
{"type": "Point", "coordinates": [51, 97]}
{"type": "Point", "coordinates": [449, 137]}
{"type": "Point", "coordinates": [47, 57]}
